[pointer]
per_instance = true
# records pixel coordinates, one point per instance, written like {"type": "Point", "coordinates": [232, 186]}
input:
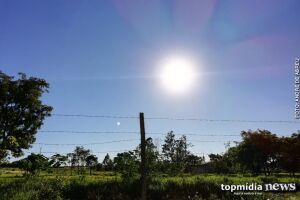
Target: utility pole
{"type": "Point", "coordinates": [143, 158]}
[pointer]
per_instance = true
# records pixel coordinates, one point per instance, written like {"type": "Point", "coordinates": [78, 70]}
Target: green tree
{"type": "Point", "coordinates": [91, 161]}
{"type": "Point", "coordinates": [217, 164]}
{"type": "Point", "coordinates": [182, 153]}
{"type": "Point", "coordinates": [169, 148]}
{"type": "Point", "coordinates": [231, 161]}
{"type": "Point", "coordinates": [58, 160]}
{"type": "Point", "coordinates": [107, 163]}
{"type": "Point", "coordinates": [259, 151]}
{"type": "Point", "coordinates": [126, 163]}
{"type": "Point", "coordinates": [34, 163]}
{"type": "Point", "coordinates": [72, 160]}
{"type": "Point", "coordinates": [193, 162]}
{"type": "Point", "coordinates": [152, 156]}
{"type": "Point", "coordinates": [21, 112]}
{"type": "Point", "coordinates": [289, 158]}
{"type": "Point", "coordinates": [79, 157]}
{"type": "Point", "coordinates": [175, 153]}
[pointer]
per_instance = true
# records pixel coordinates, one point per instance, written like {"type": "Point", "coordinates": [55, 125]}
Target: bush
{"type": "Point", "coordinates": [32, 188]}
{"type": "Point", "coordinates": [51, 190]}
{"type": "Point", "coordinates": [169, 188]}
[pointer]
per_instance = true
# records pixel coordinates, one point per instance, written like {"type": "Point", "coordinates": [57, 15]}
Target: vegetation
{"type": "Point", "coordinates": [174, 174]}
{"type": "Point", "coordinates": [91, 161]}
{"type": "Point", "coordinates": [260, 152]}
{"type": "Point", "coordinates": [21, 112]}
{"type": "Point", "coordinates": [34, 163]}
{"type": "Point", "coordinates": [110, 185]}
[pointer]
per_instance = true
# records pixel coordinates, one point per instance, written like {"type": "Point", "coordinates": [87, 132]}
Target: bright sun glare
{"type": "Point", "coordinates": [177, 75]}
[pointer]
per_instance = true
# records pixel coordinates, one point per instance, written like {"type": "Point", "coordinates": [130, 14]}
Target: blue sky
{"type": "Point", "coordinates": [100, 58]}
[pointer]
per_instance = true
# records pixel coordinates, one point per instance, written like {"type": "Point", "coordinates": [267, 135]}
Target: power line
{"type": "Point", "coordinates": [198, 134]}
{"type": "Point", "coordinates": [99, 132]}
{"type": "Point", "coordinates": [207, 141]}
{"type": "Point", "coordinates": [94, 116]}
{"type": "Point", "coordinates": [133, 132]}
{"type": "Point", "coordinates": [103, 152]}
{"type": "Point", "coordinates": [97, 152]}
{"type": "Point", "coordinates": [85, 144]}
{"type": "Point", "coordinates": [195, 134]}
{"type": "Point", "coordinates": [201, 154]}
{"type": "Point", "coordinates": [210, 141]}
{"type": "Point", "coordinates": [223, 120]}
{"type": "Point", "coordinates": [176, 119]}
{"type": "Point", "coordinates": [116, 151]}
{"type": "Point", "coordinates": [117, 141]}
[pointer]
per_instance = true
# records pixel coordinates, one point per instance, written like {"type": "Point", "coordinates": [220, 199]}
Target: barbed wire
{"type": "Point", "coordinates": [176, 119]}
{"type": "Point", "coordinates": [100, 152]}
{"type": "Point", "coordinates": [99, 132]}
{"type": "Point", "coordinates": [148, 133]}
{"type": "Point", "coordinates": [223, 120]}
{"type": "Point", "coordinates": [86, 144]}
{"type": "Point", "coordinates": [95, 116]}
{"type": "Point", "coordinates": [211, 141]}
{"type": "Point", "coordinates": [96, 152]}
{"type": "Point", "coordinates": [118, 141]}
{"type": "Point", "coordinates": [134, 132]}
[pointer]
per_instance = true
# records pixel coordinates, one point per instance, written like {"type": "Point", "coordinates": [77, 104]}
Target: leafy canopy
{"type": "Point", "coordinates": [21, 112]}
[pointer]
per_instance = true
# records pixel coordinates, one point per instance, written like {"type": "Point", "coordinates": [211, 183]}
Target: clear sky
{"type": "Point", "coordinates": [101, 58]}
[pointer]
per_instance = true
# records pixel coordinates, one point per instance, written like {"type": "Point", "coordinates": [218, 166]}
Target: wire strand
{"type": "Point", "coordinates": [117, 141]}
{"type": "Point", "coordinates": [99, 132]}
{"type": "Point", "coordinates": [134, 132]}
{"type": "Point", "coordinates": [94, 116]}
{"type": "Point", "coordinates": [85, 144]}
{"type": "Point", "coordinates": [97, 152]}
{"type": "Point", "coordinates": [176, 119]}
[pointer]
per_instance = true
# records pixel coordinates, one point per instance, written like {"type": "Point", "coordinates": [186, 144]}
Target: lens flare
{"type": "Point", "coordinates": [177, 74]}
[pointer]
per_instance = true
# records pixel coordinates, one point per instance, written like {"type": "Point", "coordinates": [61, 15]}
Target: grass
{"type": "Point", "coordinates": [109, 185]}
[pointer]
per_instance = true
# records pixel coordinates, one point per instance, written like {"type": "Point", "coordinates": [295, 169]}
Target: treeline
{"type": "Point", "coordinates": [175, 157]}
{"type": "Point", "coordinates": [80, 159]}
{"type": "Point", "coordinates": [259, 152]}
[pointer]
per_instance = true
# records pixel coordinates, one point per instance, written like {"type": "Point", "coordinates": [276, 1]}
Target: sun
{"type": "Point", "coordinates": [177, 74]}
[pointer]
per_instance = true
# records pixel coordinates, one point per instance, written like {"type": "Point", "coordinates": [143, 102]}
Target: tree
{"type": "Point", "coordinates": [193, 162]}
{"type": "Point", "coordinates": [72, 160]}
{"type": "Point", "coordinates": [79, 157]}
{"type": "Point", "coordinates": [169, 147]}
{"type": "Point", "coordinates": [21, 112]}
{"type": "Point", "coordinates": [152, 156]}
{"type": "Point", "coordinates": [181, 153]}
{"type": "Point", "coordinates": [58, 160]}
{"type": "Point", "coordinates": [126, 163]}
{"type": "Point", "coordinates": [258, 151]}
{"type": "Point", "coordinates": [231, 161]}
{"type": "Point", "coordinates": [216, 163]}
{"type": "Point", "coordinates": [175, 152]}
{"type": "Point", "coordinates": [34, 163]}
{"type": "Point", "coordinates": [289, 158]}
{"type": "Point", "coordinates": [107, 163]}
{"type": "Point", "coordinates": [91, 161]}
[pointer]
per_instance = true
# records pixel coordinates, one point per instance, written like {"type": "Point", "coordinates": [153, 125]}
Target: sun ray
{"type": "Point", "coordinates": [177, 74]}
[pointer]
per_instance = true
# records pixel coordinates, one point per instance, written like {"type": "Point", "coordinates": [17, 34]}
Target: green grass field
{"type": "Point", "coordinates": [59, 184]}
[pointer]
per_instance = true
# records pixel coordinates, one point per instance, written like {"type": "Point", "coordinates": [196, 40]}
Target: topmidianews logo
{"type": "Point", "coordinates": [268, 187]}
